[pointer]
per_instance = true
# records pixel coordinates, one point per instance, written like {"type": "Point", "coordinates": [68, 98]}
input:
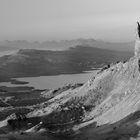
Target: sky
{"type": "Point", "coordinates": [41, 20]}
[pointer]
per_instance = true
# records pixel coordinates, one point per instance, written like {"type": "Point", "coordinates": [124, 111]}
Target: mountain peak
{"type": "Point", "coordinates": [137, 43]}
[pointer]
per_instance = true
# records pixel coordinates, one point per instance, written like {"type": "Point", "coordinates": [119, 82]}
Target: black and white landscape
{"type": "Point", "coordinates": [69, 70]}
{"type": "Point", "coordinates": [62, 107]}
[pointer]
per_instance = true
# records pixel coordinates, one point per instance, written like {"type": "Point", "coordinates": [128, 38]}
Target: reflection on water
{"type": "Point", "coordinates": [47, 82]}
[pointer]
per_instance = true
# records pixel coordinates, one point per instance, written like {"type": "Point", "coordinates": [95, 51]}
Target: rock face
{"type": "Point", "coordinates": [137, 43]}
{"type": "Point", "coordinates": [120, 86]}
{"type": "Point", "coordinates": [137, 47]}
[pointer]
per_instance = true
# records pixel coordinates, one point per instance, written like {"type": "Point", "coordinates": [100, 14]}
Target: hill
{"type": "Point", "coordinates": [31, 62]}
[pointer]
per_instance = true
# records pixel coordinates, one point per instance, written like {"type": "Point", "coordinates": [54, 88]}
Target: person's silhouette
{"type": "Point", "coordinates": [138, 29]}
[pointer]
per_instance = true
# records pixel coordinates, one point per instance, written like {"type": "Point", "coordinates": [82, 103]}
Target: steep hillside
{"type": "Point", "coordinates": [115, 92]}
{"type": "Point", "coordinates": [109, 97]}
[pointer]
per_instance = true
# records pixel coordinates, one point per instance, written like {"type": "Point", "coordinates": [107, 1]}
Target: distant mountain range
{"type": "Point", "coordinates": [65, 44]}
{"type": "Point", "coordinates": [32, 62]}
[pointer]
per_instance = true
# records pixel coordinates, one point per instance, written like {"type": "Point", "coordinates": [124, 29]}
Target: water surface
{"type": "Point", "coordinates": [49, 82]}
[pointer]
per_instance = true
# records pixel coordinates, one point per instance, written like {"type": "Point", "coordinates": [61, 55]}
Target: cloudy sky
{"type": "Point", "coordinates": [111, 20]}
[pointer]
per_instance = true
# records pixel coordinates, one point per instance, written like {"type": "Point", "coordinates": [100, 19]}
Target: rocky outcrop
{"type": "Point", "coordinates": [115, 92]}
{"type": "Point", "coordinates": [137, 47]}
{"type": "Point", "coordinates": [137, 43]}
{"type": "Point", "coordinates": [110, 96]}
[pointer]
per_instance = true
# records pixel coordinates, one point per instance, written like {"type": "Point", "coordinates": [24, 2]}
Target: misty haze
{"type": "Point", "coordinates": [69, 70]}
